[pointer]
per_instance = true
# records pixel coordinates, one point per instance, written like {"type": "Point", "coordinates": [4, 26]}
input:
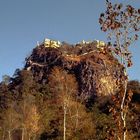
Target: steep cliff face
{"type": "Point", "coordinates": [96, 70]}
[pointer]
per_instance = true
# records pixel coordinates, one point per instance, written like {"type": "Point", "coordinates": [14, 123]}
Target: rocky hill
{"type": "Point", "coordinates": [39, 100]}
{"type": "Point", "coordinates": [96, 70]}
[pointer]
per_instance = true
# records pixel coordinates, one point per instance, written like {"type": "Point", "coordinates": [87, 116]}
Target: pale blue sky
{"type": "Point", "coordinates": [24, 22]}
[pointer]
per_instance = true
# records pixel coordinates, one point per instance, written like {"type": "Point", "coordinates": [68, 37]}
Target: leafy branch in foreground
{"type": "Point", "coordinates": [121, 24]}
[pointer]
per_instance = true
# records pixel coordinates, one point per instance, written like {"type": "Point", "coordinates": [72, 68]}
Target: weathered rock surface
{"type": "Point", "coordinates": [96, 70]}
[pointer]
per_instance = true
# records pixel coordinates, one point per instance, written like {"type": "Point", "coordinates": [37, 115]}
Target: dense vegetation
{"type": "Point", "coordinates": [30, 110]}
{"type": "Point", "coordinates": [44, 102]}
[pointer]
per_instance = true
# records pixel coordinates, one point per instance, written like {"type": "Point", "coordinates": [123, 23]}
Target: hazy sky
{"type": "Point", "coordinates": [24, 22]}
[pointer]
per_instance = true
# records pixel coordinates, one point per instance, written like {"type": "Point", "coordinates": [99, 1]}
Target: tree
{"type": "Point", "coordinates": [121, 24]}
{"type": "Point", "coordinates": [134, 85]}
{"type": "Point", "coordinates": [77, 122]}
{"type": "Point", "coordinates": [9, 116]}
{"type": "Point", "coordinates": [28, 110]}
{"type": "Point", "coordinates": [6, 79]}
{"type": "Point", "coordinates": [32, 122]}
{"type": "Point", "coordinates": [65, 89]}
{"type": "Point", "coordinates": [10, 121]}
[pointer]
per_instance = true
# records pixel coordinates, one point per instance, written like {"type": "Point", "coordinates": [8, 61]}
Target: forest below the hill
{"type": "Point", "coordinates": [63, 92]}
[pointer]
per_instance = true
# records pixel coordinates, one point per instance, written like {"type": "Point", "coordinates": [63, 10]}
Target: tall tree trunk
{"type": "Point", "coordinates": [29, 136]}
{"type": "Point", "coordinates": [65, 111]}
{"type": "Point", "coordinates": [23, 133]}
{"type": "Point", "coordinates": [123, 113]}
{"type": "Point", "coordinates": [9, 135]}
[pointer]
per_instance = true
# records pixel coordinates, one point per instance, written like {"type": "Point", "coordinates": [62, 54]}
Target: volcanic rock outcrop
{"type": "Point", "coordinates": [96, 70]}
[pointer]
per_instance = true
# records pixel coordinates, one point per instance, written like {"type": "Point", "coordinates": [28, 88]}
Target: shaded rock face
{"type": "Point", "coordinates": [97, 71]}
